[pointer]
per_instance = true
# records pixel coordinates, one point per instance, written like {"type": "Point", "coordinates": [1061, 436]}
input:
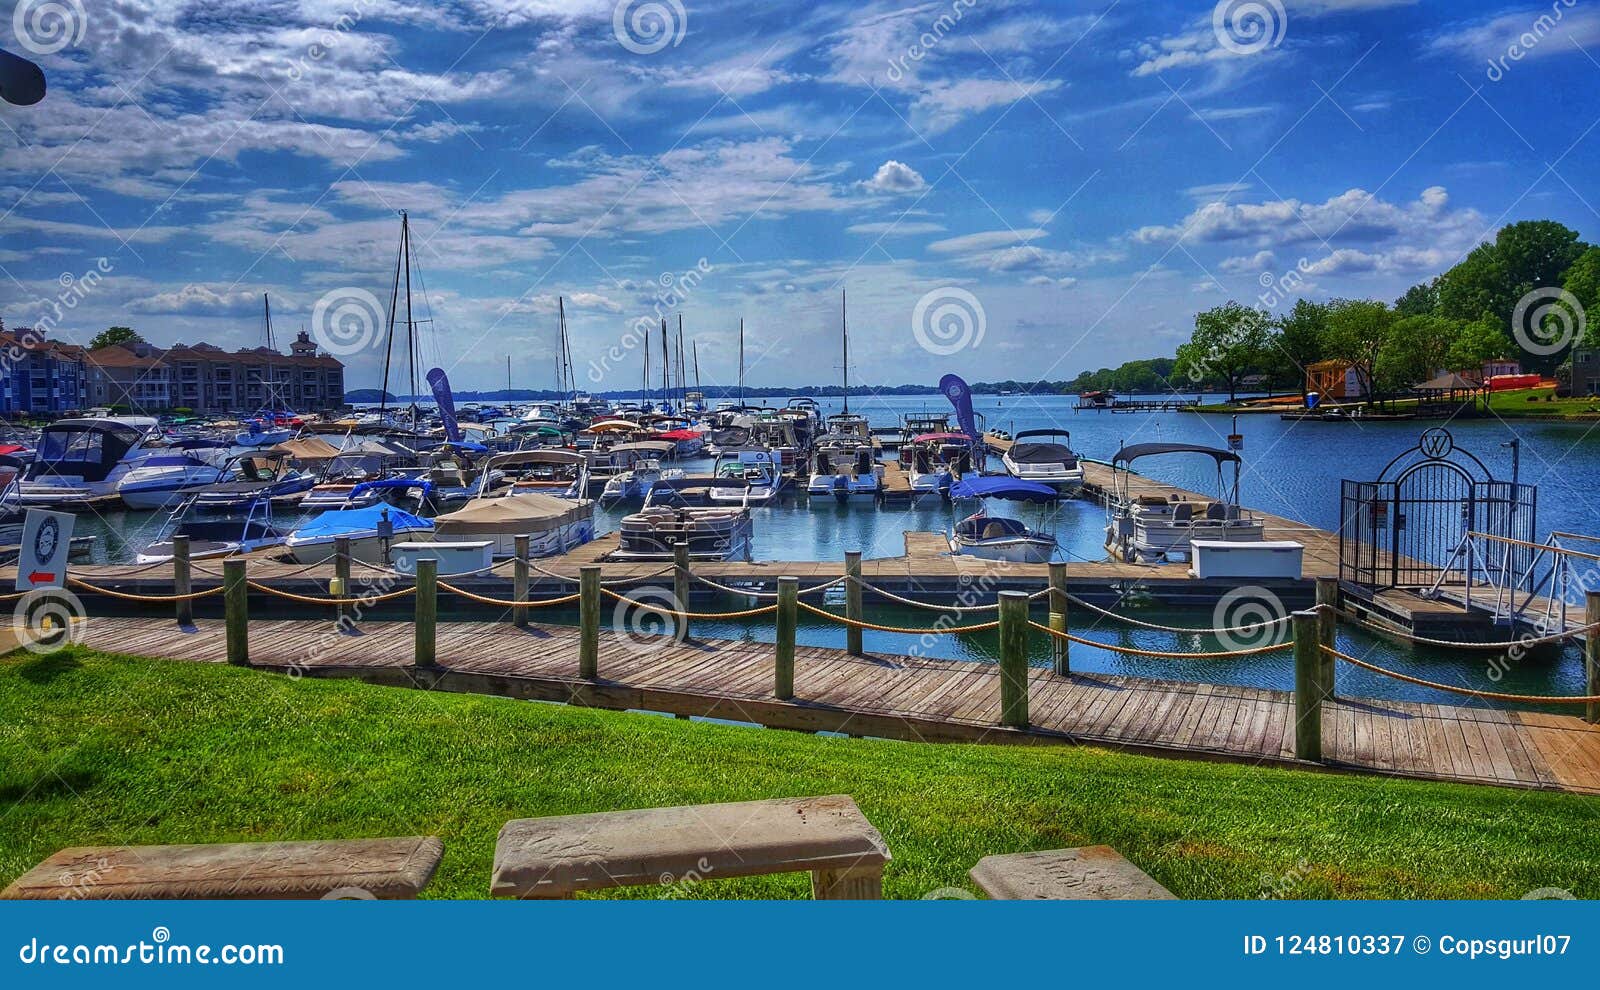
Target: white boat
{"type": "Point", "coordinates": [79, 460]}
{"type": "Point", "coordinates": [635, 483]}
{"type": "Point", "coordinates": [1047, 458]}
{"type": "Point", "coordinates": [163, 479]}
{"type": "Point", "coordinates": [260, 434]}
{"type": "Point", "coordinates": [545, 471]}
{"type": "Point", "coordinates": [760, 470]}
{"type": "Point", "coordinates": [216, 530]}
{"type": "Point", "coordinates": [935, 461]}
{"type": "Point", "coordinates": [843, 468]}
{"type": "Point", "coordinates": [451, 481]}
{"type": "Point", "coordinates": [718, 532]}
{"type": "Point", "coordinates": [371, 531]}
{"type": "Point", "coordinates": [1152, 528]}
{"type": "Point", "coordinates": [553, 525]}
{"type": "Point", "coordinates": [1001, 537]}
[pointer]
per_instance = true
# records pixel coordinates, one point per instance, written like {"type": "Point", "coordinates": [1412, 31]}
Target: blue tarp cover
{"type": "Point", "coordinates": [339, 522]}
{"type": "Point", "coordinates": [1003, 486]}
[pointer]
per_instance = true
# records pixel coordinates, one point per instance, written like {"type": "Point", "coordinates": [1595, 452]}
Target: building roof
{"type": "Point", "coordinates": [118, 356]}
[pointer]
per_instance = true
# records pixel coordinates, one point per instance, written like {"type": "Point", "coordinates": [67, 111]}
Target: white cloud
{"type": "Point", "coordinates": [988, 240]}
{"type": "Point", "coordinates": [199, 300]}
{"type": "Point", "coordinates": [1556, 28]}
{"type": "Point", "coordinates": [895, 177]}
{"type": "Point", "coordinates": [1354, 215]}
{"type": "Point", "coordinates": [1254, 264]}
{"type": "Point", "coordinates": [893, 229]}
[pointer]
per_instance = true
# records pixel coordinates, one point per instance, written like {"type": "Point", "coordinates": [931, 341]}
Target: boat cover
{"type": "Point", "coordinates": [531, 512]}
{"type": "Point", "coordinates": [1000, 486]}
{"type": "Point", "coordinates": [344, 522]}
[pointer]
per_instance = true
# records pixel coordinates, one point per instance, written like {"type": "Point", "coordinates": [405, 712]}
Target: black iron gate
{"type": "Point", "coordinates": [1404, 529]}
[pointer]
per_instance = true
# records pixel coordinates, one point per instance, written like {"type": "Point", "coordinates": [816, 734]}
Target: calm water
{"type": "Point", "coordinates": [1291, 469]}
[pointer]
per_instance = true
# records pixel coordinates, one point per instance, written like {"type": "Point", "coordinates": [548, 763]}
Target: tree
{"type": "Point", "coordinates": [1418, 347]}
{"type": "Point", "coordinates": [1356, 331]}
{"type": "Point", "coordinates": [1480, 341]}
{"type": "Point", "coordinates": [1524, 256]}
{"type": "Point", "coordinates": [1298, 342]}
{"type": "Point", "coordinates": [1420, 300]}
{"type": "Point", "coordinates": [1229, 342]}
{"type": "Point", "coordinates": [112, 336]}
{"type": "Point", "coordinates": [1583, 281]}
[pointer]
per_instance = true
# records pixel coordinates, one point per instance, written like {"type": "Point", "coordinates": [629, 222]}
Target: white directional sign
{"type": "Point", "coordinates": [46, 544]}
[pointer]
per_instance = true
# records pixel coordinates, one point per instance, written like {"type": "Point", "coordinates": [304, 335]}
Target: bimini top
{"type": "Point", "coordinates": [343, 522]}
{"type": "Point", "coordinates": [526, 513]}
{"type": "Point", "coordinates": [1001, 486]}
{"type": "Point", "coordinates": [1139, 450]}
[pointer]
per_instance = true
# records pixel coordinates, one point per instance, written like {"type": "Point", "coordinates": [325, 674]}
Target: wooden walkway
{"type": "Point", "coordinates": [906, 697]}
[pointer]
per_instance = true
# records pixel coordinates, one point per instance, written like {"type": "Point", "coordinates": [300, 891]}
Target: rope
{"type": "Point", "coordinates": [143, 598]}
{"type": "Point", "coordinates": [364, 600]}
{"type": "Point", "coordinates": [764, 594]}
{"type": "Point", "coordinates": [1452, 644]}
{"type": "Point", "coordinates": [565, 599]}
{"type": "Point", "coordinates": [927, 605]}
{"type": "Point", "coordinates": [1533, 699]}
{"type": "Point", "coordinates": [1223, 631]}
{"type": "Point", "coordinates": [949, 631]}
{"type": "Point", "coordinates": [1134, 651]}
{"type": "Point", "coordinates": [763, 610]}
{"type": "Point", "coordinates": [616, 581]}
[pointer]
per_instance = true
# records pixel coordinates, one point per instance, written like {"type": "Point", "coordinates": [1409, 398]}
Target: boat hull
{"type": "Point", "coordinates": [1012, 549]}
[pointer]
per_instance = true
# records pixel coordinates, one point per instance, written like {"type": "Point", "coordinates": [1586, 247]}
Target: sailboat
{"type": "Point", "coordinates": [842, 461]}
{"type": "Point", "coordinates": [402, 275]}
{"type": "Point", "coordinates": [262, 429]}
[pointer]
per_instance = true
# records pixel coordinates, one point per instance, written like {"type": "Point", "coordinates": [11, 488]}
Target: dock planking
{"type": "Point", "coordinates": [906, 697]}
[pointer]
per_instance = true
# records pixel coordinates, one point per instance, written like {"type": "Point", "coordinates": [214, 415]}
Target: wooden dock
{"type": "Point", "coordinates": [904, 697]}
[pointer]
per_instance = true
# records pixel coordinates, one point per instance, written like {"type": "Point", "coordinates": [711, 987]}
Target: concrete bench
{"type": "Point", "coordinates": [559, 856]}
{"type": "Point", "coordinates": [387, 869]}
{"type": "Point", "coordinates": [1087, 873]}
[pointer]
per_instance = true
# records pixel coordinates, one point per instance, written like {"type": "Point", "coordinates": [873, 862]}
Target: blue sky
{"type": "Point", "coordinates": [1005, 189]}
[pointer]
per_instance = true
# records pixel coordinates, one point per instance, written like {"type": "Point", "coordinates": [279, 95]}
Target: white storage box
{"type": "Point", "coordinates": [1257, 559]}
{"type": "Point", "coordinates": [453, 558]}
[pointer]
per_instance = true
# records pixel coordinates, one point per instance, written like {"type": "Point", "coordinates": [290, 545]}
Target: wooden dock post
{"type": "Point", "coordinates": [519, 583]}
{"type": "Point", "coordinates": [680, 586]}
{"type": "Point", "coordinates": [1327, 628]}
{"type": "Point", "coordinates": [852, 602]}
{"type": "Point", "coordinates": [1591, 653]}
{"type": "Point", "coordinates": [182, 584]}
{"type": "Point", "coordinates": [1058, 618]}
{"type": "Point", "coordinates": [1308, 688]}
{"type": "Point", "coordinates": [341, 573]}
{"type": "Point", "coordinates": [236, 610]}
{"type": "Point", "coordinates": [783, 670]}
{"type": "Point", "coordinates": [427, 616]}
{"type": "Point", "coordinates": [589, 621]}
{"type": "Point", "coordinates": [1014, 659]}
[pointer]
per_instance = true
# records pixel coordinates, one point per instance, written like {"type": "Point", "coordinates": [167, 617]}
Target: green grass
{"type": "Point", "coordinates": [98, 749]}
{"type": "Point", "coordinates": [1540, 403]}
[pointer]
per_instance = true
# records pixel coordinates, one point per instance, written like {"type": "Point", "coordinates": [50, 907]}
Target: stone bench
{"type": "Point", "coordinates": [1087, 873]}
{"type": "Point", "coordinates": [387, 869]}
{"type": "Point", "coordinates": [559, 856]}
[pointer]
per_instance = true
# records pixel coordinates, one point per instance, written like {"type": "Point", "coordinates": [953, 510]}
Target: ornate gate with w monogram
{"type": "Point", "coordinates": [1402, 530]}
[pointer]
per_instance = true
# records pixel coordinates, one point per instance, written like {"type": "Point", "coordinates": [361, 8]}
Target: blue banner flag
{"type": "Point", "coordinates": [960, 396]}
{"type": "Point", "coordinates": [440, 383]}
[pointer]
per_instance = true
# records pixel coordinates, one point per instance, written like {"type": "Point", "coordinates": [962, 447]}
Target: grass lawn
{"type": "Point", "coordinates": [98, 749]}
{"type": "Point", "coordinates": [1540, 402]}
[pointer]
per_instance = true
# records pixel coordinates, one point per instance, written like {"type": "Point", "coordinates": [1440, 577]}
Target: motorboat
{"type": "Point", "coordinates": [758, 468]}
{"type": "Point", "coordinates": [619, 459]}
{"type": "Point", "coordinates": [553, 525]}
{"type": "Point", "coordinates": [220, 529]}
{"type": "Point", "coordinates": [1145, 526]}
{"type": "Point", "coordinates": [1045, 456]}
{"type": "Point", "coordinates": [547, 471]}
{"type": "Point", "coordinates": [935, 461]}
{"type": "Point", "coordinates": [262, 433]}
{"type": "Point", "coordinates": [842, 467]}
{"type": "Point", "coordinates": [255, 475]}
{"type": "Point", "coordinates": [712, 532]}
{"type": "Point", "coordinates": [351, 468]}
{"type": "Point", "coordinates": [371, 531]}
{"type": "Point", "coordinates": [635, 483]}
{"type": "Point", "coordinates": [164, 478]}
{"type": "Point", "coordinates": [1001, 537]}
{"type": "Point", "coordinates": [452, 480]}
{"type": "Point", "coordinates": [81, 460]}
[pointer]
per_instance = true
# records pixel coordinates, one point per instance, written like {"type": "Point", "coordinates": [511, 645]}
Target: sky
{"type": "Point", "coordinates": [1005, 190]}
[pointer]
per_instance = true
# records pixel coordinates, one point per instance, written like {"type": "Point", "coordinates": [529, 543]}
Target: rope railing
{"type": "Point", "coordinates": [1218, 631]}
{"type": "Point", "coordinates": [679, 614]}
{"type": "Point", "coordinates": [126, 596]}
{"type": "Point", "coordinates": [904, 630]}
{"type": "Point", "coordinates": [612, 583]}
{"type": "Point", "coordinates": [1160, 654]}
{"type": "Point", "coordinates": [750, 593]}
{"type": "Point", "coordinates": [1530, 699]}
{"type": "Point", "coordinates": [309, 600]}
{"type": "Point", "coordinates": [509, 603]}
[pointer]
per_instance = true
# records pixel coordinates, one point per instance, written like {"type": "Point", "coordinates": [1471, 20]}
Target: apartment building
{"type": "Point", "coordinates": [40, 376]}
{"type": "Point", "coordinates": [205, 378]}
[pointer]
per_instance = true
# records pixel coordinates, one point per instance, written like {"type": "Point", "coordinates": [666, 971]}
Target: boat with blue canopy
{"type": "Point", "coordinates": [1001, 537]}
{"type": "Point", "coordinates": [371, 531]}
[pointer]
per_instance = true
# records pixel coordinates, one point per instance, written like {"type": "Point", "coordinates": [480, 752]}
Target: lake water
{"type": "Point", "coordinates": [1291, 469]}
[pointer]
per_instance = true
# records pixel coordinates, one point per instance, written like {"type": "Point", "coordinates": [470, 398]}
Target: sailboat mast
{"type": "Point", "coordinates": [666, 369]}
{"type": "Point", "coordinates": [411, 323]}
{"type": "Point", "coordinates": [388, 354]}
{"type": "Point", "coordinates": [683, 380]}
{"type": "Point", "coordinates": [741, 360]}
{"type": "Point", "coordinates": [844, 327]}
{"type": "Point", "coordinates": [694, 345]}
{"type": "Point", "coordinates": [644, 380]}
{"type": "Point", "coordinates": [564, 367]}
{"type": "Point", "coordinates": [266, 302]}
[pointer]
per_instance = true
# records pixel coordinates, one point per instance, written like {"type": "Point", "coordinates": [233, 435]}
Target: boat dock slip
{"type": "Point", "coordinates": [903, 697]}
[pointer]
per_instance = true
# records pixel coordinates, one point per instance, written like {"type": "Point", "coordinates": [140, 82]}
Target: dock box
{"type": "Point", "coordinates": [1258, 559]}
{"type": "Point", "coordinates": [454, 558]}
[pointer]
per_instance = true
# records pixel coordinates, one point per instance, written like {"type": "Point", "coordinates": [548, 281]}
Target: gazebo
{"type": "Point", "coordinates": [1445, 394]}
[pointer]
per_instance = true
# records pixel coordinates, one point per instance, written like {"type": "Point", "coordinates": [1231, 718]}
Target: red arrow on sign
{"type": "Point", "coordinates": [40, 577]}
